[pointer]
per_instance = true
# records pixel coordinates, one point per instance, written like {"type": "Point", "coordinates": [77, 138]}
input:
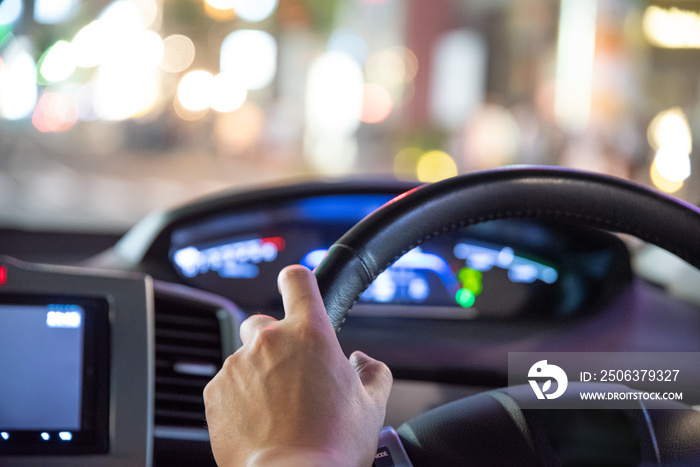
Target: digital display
{"type": "Point", "coordinates": [54, 362]}
{"type": "Point", "coordinates": [41, 360]}
{"type": "Point", "coordinates": [457, 275]}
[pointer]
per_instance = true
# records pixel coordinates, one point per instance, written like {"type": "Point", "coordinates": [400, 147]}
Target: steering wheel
{"type": "Point", "coordinates": [476, 429]}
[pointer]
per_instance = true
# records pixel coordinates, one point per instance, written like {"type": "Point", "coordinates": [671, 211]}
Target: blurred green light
{"type": "Point", "coordinates": [465, 298]}
{"type": "Point", "coordinates": [471, 279]}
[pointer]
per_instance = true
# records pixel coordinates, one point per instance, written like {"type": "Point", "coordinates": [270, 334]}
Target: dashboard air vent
{"type": "Point", "coordinates": [188, 353]}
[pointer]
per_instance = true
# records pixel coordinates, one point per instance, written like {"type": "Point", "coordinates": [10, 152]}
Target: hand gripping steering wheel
{"type": "Point", "coordinates": [491, 419]}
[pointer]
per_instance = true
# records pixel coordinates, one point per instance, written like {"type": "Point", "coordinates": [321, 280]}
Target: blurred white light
{"type": "Point", "coordinates": [65, 435]}
{"type": "Point", "coordinates": [124, 15]}
{"type": "Point", "coordinates": [90, 44]}
{"type": "Point", "coordinates": [672, 28]}
{"type": "Point", "coordinates": [672, 163]}
{"type": "Point", "coordinates": [55, 11]}
{"type": "Point", "coordinates": [195, 90]}
{"type": "Point", "coordinates": [5, 435]}
{"type": "Point", "coordinates": [334, 92]}
{"type": "Point", "coordinates": [18, 90]}
{"type": "Point", "coordinates": [121, 92]}
{"type": "Point", "coordinates": [575, 57]}
{"type": "Point", "coordinates": [59, 62]}
{"type": "Point", "coordinates": [670, 127]}
{"type": "Point", "coordinates": [349, 43]}
{"type": "Point", "coordinates": [254, 10]}
{"type": "Point", "coordinates": [251, 55]}
{"type": "Point", "coordinates": [221, 4]}
{"type": "Point", "coordinates": [227, 93]}
{"type": "Point", "coordinates": [148, 10]}
{"type": "Point", "coordinates": [45, 436]}
{"type": "Point", "coordinates": [331, 153]}
{"type": "Point", "coordinates": [458, 77]}
{"type": "Point", "coordinates": [10, 11]}
{"type": "Point", "coordinates": [178, 53]}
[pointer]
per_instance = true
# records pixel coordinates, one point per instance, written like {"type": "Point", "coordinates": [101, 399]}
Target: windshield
{"type": "Point", "coordinates": [110, 109]}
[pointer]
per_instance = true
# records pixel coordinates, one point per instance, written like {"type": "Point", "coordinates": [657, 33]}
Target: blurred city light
{"type": "Point", "coordinates": [669, 133]}
{"type": "Point", "coordinates": [10, 11]}
{"type": "Point", "coordinates": [575, 59]}
{"type": "Point", "coordinates": [18, 89]}
{"type": "Point", "coordinates": [458, 76]}
{"type": "Point", "coordinates": [55, 11]}
{"type": "Point", "coordinates": [434, 166]}
{"type": "Point", "coordinates": [670, 127]}
{"type": "Point", "coordinates": [491, 138]}
{"type": "Point", "coordinates": [58, 62]}
{"type": "Point", "coordinates": [178, 53]}
{"type": "Point", "coordinates": [662, 182]}
{"type": "Point", "coordinates": [254, 10]}
{"type": "Point", "coordinates": [55, 112]}
{"type": "Point", "coordinates": [195, 90]}
{"type": "Point", "coordinates": [406, 162]}
{"type": "Point", "coordinates": [332, 154]}
{"type": "Point", "coordinates": [251, 55]}
{"type": "Point", "coordinates": [349, 43]}
{"type": "Point", "coordinates": [227, 93]}
{"type": "Point", "coordinates": [672, 27]}
{"type": "Point", "coordinates": [89, 44]}
{"type": "Point", "coordinates": [220, 10]}
{"type": "Point", "coordinates": [672, 163]}
{"type": "Point", "coordinates": [334, 94]}
{"type": "Point", "coordinates": [376, 103]}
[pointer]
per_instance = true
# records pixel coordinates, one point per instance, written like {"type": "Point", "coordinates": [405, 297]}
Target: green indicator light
{"type": "Point", "coordinates": [471, 279]}
{"type": "Point", "coordinates": [465, 298]}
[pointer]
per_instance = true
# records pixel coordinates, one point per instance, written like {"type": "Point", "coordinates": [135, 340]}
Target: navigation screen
{"type": "Point", "coordinates": [41, 363]}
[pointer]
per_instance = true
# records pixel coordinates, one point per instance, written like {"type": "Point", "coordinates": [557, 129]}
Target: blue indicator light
{"type": "Point", "coordinates": [5, 435]}
{"type": "Point", "coordinates": [65, 435]}
{"type": "Point", "coordinates": [340, 207]}
{"type": "Point", "coordinates": [45, 436]}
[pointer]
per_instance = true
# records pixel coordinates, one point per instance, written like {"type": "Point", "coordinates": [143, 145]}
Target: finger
{"type": "Point", "coordinates": [375, 376]}
{"type": "Point", "coordinates": [251, 326]}
{"type": "Point", "coordinates": [300, 293]}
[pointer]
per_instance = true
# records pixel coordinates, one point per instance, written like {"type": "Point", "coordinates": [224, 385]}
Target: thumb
{"type": "Point", "coordinates": [375, 376]}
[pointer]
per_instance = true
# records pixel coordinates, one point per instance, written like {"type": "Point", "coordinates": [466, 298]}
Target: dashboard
{"type": "Point", "coordinates": [147, 322]}
{"type": "Point", "coordinates": [498, 270]}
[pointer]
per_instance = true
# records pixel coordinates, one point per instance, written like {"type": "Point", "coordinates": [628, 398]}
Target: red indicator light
{"type": "Point", "coordinates": [3, 275]}
{"type": "Point", "coordinates": [277, 241]}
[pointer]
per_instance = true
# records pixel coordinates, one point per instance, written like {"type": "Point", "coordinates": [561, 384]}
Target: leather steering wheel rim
{"type": "Point", "coordinates": [546, 193]}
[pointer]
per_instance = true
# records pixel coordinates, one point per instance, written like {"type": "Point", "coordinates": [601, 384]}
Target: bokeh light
{"type": "Point", "coordinates": [55, 112]}
{"type": "Point", "coordinates": [376, 103]}
{"type": "Point", "coordinates": [55, 11]}
{"type": "Point", "coordinates": [332, 154]}
{"type": "Point", "coordinates": [670, 127]}
{"type": "Point", "coordinates": [228, 93]}
{"type": "Point", "coordinates": [671, 28]}
{"type": "Point", "coordinates": [10, 11]}
{"type": "Point", "coordinates": [349, 43]}
{"type": "Point", "coordinates": [386, 67]}
{"type": "Point", "coordinates": [334, 94]}
{"type": "Point", "coordinates": [254, 10]}
{"type": "Point", "coordinates": [178, 53]}
{"type": "Point", "coordinates": [672, 163]}
{"type": "Point", "coordinates": [89, 44]}
{"type": "Point", "coordinates": [195, 90]}
{"type": "Point", "coordinates": [434, 166]}
{"type": "Point", "coordinates": [406, 162]}
{"type": "Point", "coordinates": [220, 10]}
{"type": "Point", "coordinates": [491, 138]}
{"type": "Point", "coordinates": [58, 62]}
{"type": "Point", "coordinates": [252, 55]}
{"type": "Point", "coordinates": [238, 131]}
{"type": "Point", "coordinates": [18, 90]}
{"type": "Point", "coordinates": [663, 183]}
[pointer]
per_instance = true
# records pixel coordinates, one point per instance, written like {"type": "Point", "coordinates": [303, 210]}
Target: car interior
{"type": "Point", "coordinates": [469, 180]}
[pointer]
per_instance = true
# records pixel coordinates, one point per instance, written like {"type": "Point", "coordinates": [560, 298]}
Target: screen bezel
{"type": "Point", "coordinates": [93, 436]}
